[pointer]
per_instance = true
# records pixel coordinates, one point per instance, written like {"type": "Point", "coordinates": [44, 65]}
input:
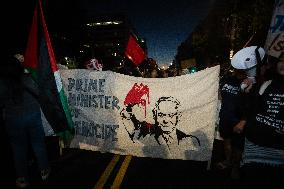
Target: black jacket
{"type": "Point", "coordinates": [265, 121]}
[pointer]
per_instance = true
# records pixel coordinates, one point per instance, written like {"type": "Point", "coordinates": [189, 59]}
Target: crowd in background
{"type": "Point", "coordinates": [251, 118]}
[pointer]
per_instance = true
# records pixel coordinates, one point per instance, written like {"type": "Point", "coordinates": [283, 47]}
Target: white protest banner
{"type": "Point", "coordinates": [274, 45]}
{"type": "Point", "coordinates": [171, 118]}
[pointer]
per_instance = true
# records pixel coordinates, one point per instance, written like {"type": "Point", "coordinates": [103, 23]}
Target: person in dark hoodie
{"type": "Point", "coordinates": [230, 115]}
{"type": "Point", "coordinates": [263, 158]}
{"type": "Point", "coordinates": [22, 117]}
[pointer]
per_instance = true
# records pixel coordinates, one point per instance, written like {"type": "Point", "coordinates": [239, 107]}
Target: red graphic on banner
{"type": "Point", "coordinates": [136, 94]}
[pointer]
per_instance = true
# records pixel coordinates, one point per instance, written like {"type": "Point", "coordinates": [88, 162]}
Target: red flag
{"type": "Point", "coordinates": [134, 52]}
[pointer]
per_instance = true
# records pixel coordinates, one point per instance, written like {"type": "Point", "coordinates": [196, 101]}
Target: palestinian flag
{"type": "Point", "coordinates": [40, 61]}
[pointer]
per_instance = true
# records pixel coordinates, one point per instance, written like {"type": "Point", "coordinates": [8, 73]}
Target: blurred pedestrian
{"type": "Point", "coordinates": [23, 119]}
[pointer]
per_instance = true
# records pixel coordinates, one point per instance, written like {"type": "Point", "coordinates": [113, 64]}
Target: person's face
{"type": "Point", "coordinates": [280, 66]}
{"type": "Point", "coordinates": [19, 57]}
{"type": "Point", "coordinates": [167, 116]}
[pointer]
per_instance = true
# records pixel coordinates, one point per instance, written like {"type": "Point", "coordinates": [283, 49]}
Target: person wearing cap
{"type": "Point", "coordinates": [263, 157]}
{"type": "Point", "coordinates": [235, 88]}
{"type": "Point", "coordinates": [248, 59]}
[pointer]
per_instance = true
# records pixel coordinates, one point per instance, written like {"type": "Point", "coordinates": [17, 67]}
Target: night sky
{"type": "Point", "coordinates": [163, 23]}
{"type": "Point", "coordinates": [166, 25]}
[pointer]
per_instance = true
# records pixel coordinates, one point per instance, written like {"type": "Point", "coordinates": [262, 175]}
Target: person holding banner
{"type": "Point", "coordinates": [263, 156]}
{"type": "Point", "coordinates": [23, 120]}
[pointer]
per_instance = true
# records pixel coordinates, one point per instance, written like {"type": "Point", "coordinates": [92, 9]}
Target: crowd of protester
{"type": "Point", "coordinates": [251, 119]}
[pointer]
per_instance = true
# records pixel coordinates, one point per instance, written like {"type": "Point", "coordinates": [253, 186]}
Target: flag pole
{"type": "Point", "coordinates": [250, 39]}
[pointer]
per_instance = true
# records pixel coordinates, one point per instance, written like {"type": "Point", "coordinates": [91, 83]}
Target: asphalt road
{"type": "Point", "coordinates": [82, 169]}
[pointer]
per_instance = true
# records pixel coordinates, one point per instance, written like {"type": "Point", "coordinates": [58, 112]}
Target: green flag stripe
{"type": "Point", "coordinates": [66, 108]}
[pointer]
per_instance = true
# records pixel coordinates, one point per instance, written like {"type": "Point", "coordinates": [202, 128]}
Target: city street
{"type": "Point", "coordinates": [87, 170]}
{"type": "Point", "coordinates": [141, 91]}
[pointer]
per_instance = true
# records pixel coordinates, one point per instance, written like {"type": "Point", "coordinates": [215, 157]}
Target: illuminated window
{"type": "Point", "coordinates": [104, 23]}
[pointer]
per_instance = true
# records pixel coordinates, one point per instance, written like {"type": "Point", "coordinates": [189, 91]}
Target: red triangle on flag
{"type": "Point", "coordinates": [31, 54]}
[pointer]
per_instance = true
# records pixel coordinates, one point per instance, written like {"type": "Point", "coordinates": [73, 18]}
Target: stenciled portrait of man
{"type": "Point", "coordinates": [167, 116]}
